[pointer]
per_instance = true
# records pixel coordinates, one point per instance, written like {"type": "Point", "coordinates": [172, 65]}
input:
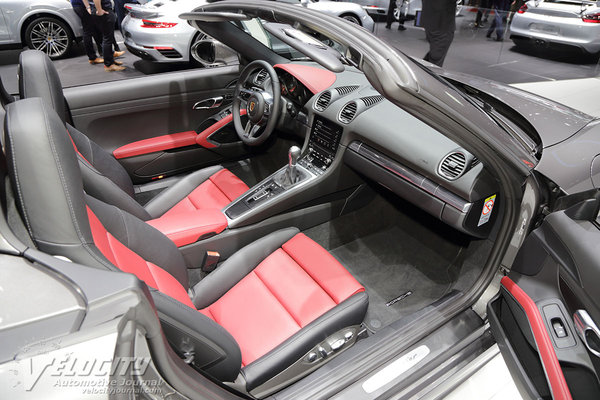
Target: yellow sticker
{"type": "Point", "coordinates": [486, 212]}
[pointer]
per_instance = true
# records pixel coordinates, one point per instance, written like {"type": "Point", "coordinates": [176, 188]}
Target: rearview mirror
{"type": "Point", "coordinates": [212, 53]}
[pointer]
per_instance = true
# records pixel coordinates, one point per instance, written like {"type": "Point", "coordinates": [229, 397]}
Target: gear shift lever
{"type": "Point", "coordinates": [291, 172]}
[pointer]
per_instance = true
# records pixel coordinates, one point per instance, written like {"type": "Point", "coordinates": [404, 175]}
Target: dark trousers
{"type": "Point", "coordinates": [390, 15]}
{"type": "Point", "coordinates": [106, 25]}
{"type": "Point", "coordinates": [498, 23]}
{"type": "Point", "coordinates": [439, 43]}
{"type": "Point", "coordinates": [89, 32]}
{"type": "Point", "coordinates": [120, 11]}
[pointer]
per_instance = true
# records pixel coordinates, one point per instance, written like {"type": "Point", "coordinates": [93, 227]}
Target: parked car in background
{"type": "Point", "coordinates": [153, 30]}
{"type": "Point", "coordinates": [50, 26]}
{"type": "Point", "coordinates": [373, 7]}
{"type": "Point", "coordinates": [410, 8]}
{"type": "Point", "coordinates": [558, 24]}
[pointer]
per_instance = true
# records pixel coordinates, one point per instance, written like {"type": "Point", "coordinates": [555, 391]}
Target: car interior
{"type": "Point", "coordinates": [279, 212]}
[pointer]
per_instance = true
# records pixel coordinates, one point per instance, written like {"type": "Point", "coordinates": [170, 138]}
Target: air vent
{"type": "Point", "coordinates": [348, 112]}
{"type": "Point", "coordinates": [474, 162]}
{"type": "Point", "coordinates": [344, 90]}
{"type": "Point", "coordinates": [372, 100]}
{"type": "Point", "coordinates": [453, 165]}
{"type": "Point", "coordinates": [260, 78]}
{"type": "Point", "coordinates": [323, 101]}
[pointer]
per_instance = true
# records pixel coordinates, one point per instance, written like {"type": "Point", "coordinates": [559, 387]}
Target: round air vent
{"type": "Point", "coordinates": [348, 112]}
{"type": "Point", "coordinates": [453, 165]}
{"type": "Point", "coordinates": [323, 101]}
{"type": "Point", "coordinates": [260, 78]}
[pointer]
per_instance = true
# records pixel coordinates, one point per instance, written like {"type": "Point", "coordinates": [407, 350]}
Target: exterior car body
{"type": "Point", "coordinates": [374, 7]}
{"type": "Point", "coordinates": [410, 8]}
{"type": "Point", "coordinates": [27, 22]}
{"type": "Point", "coordinates": [171, 39]}
{"type": "Point", "coordinates": [558, 24]}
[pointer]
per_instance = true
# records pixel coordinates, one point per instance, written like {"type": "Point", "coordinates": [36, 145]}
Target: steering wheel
{"type": "Point", "coordinates": [262, 105]}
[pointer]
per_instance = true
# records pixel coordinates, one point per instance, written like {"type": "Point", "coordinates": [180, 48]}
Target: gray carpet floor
{"type": "Point", "coordinates": [393, 249]}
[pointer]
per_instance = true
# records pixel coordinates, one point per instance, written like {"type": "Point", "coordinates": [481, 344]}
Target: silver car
{"type": "Point", "coordinates": [50, 25]}
{"type": "Point", "coordinates": [153, 31]}
{"type": "Point", "coordinates": [559, 24]}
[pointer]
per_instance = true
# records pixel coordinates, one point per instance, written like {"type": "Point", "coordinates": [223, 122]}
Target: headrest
{"type": "Point", "coordinates": [39, 78]}
{"type": "Point", "coordinates": [45, 175]}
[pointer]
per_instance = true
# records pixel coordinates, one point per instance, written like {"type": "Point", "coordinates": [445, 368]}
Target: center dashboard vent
{"type": "Point", "coordinates": [348, 112]}
{"type": "Point", "coordinates": [344, 90]}
{"type": "Point", "coordinates": [453, 165]}
{"type": "Point", "coordinates": [260, 78]}
{"type": "Point", "coordinates": [370, 101]}
{"type": "Point", "coordinates": [323, 101]}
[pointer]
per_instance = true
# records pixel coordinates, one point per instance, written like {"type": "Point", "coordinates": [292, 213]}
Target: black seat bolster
{"type": "Point", "coordinates": [165, 200]}
{"type": "Point", "coordinates": [214, 349]}
{"type": "Point", "coordinates": [349, 312]}
{"type": "Point", "coordinates": [102, 160]}
{"type": "Point", "coordinates": [100, 187]}
{"type": "Point", "coordinates": [236, 267]}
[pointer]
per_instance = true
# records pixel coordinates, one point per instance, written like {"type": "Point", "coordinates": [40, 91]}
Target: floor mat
{"type": "Point", "coordinates": [392, 264]}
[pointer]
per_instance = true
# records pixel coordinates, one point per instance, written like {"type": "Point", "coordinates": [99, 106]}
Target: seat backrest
{"type": "Point", "coordinates": [62, 220]}
{"type": "Point", "coordinates": [103, 176]}
{"type": "Point", "coordinates": [5, 97]}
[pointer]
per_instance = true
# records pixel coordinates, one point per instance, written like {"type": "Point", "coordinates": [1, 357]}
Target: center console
{"type": "Point", "coordinates": [321, 149]}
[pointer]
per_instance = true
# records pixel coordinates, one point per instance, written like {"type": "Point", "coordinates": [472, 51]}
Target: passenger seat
{"type": "Point", "coordinates": [104, 177]}
{"type": "Point", "coordinates": [273, 311]}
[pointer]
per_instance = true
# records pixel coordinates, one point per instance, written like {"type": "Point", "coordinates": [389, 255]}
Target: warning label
{"type": "Point", "coordinates": [486, 212]}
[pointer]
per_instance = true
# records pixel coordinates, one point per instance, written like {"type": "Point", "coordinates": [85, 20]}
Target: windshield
{"type": "Point", "coordinates": [255, 28]}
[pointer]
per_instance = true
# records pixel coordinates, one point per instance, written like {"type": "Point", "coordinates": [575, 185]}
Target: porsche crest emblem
{"type": "Point", "coordinates": [251, 106]}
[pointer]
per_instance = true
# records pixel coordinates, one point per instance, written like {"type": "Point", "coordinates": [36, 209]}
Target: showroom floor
{"type": "Point", "coordinates": [470, 53]}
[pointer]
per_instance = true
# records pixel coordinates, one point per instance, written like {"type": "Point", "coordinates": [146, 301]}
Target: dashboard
{"type": "Point", "coordinates": [349, 124]}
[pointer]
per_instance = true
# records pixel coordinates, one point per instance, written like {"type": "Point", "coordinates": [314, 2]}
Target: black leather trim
{"type": "Point", "coordinates": [39, 78]}
{"type": "Point", "coordinates": [141, 238]}
{"type": "Point", "coordinates": [236, 267]}
{"type": "Point", "coordinates": [103, 161]}
{"type": "Point", "coordinates": [174, 194]}
{"type": "Point", "coordinates": [207, 338]}
{"type": "Point", "coordinates": [349, 312]}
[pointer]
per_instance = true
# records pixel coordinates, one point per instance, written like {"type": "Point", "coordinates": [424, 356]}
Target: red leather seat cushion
{"type": "Point", "coordinates": [216, 192]}
{"type": "Point", "coordinates": [288, 290]}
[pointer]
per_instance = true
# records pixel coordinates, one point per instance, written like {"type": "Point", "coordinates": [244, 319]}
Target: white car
{"type": "Point", "coordinates": [558, 24]}
{"type": "Point", "coordinates": [50, 26]}
{"type": "Point", "coordinates": [154, 32]}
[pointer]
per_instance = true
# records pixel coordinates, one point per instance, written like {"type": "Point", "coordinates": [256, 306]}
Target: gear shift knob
{"type": "Point", "coordinates": [293, 156]}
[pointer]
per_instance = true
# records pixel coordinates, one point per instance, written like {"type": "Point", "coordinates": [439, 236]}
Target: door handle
{"type": "Point", "coordinates": [206, 104]}
{"type": "Point", "coordinates": [588, 331]}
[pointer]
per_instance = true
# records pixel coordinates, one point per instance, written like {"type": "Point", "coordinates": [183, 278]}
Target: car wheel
{"type": "Point", "coordinates": [50, 35]}
{"type": "Point", "coordinates": [352, 18]}
{"type": "Point", "coordinates": [195, 59]}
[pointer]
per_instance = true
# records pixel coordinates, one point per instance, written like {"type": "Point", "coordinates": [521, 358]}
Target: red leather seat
{"type": "Point", "coordinates": [104, 177]}
{"type": "Point", "coordinates": [261, 311]}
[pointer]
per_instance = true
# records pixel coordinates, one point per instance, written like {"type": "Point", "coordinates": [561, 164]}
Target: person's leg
{"type": "Point", "coordinates": [492, 26]}
{"type": "Point", "coordinates": [500, 15]}
{"type": "Point", "coordinates": [120, 11]}
{"type": "Point", "coordinates": [87, 25]}
{"type": "Point", "coordinates": [390, 14]}
{"type": "Point", "coordinates": [105, 24]}
{"type": "Point", "coordinates": [439, 43]}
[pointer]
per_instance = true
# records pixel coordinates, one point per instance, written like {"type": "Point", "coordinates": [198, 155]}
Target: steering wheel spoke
{"type": "Point", "coordinates": [261, 105]}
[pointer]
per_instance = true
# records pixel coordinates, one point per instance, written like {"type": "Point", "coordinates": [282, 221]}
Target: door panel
{"type": "Point", "coordinates": [555, 274]}
{"type": "Point", "coordinates": [114, 114]}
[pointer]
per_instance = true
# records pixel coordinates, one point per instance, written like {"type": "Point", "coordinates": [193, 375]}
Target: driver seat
{"type": "Point", "coordinates": [104, 177]}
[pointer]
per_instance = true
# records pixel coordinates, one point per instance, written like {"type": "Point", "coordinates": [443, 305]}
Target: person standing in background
{"type": "Point", "coordinates": [104, 20]}
{"type": "Point", "coordinates": [120, 11]}
{"type": "Point", "coordinates": [439, 20]}
{"type": "Point", "coordinates": [89, 32]}
{"type": "Point", "coordinates": [500, 8]}
{"type": "Point", "coordinates": [390, 17]}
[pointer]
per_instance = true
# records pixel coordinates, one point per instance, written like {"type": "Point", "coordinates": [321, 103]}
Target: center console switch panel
{"type": "Point", "coordinates": [323, 143]}
{"type": "Point", "coordinates": [190, 226]}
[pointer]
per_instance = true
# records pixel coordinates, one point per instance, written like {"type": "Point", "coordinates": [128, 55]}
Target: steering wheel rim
{"type": "Point", "coordinates": [264, 113]}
